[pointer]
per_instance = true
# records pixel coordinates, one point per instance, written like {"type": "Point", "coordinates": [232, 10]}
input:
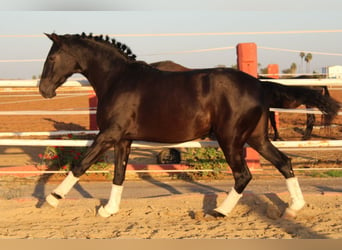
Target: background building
{"type": "Point", "coordinates": [333, 71]}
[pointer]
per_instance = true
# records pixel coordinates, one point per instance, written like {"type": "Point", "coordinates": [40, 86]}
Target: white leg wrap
{"type": "Point", "coordinates": [62, 189]}
{"type": "Point", "coordinates": [52, 200]}
{"type": "Point", "coordinates": [297, 199]}
{"type": "Point", "coordinates": [66, 185]}
{"type": "Point", "coordinates": [229, 203]}
{"type": "Point", "coordinates": [113, 204]}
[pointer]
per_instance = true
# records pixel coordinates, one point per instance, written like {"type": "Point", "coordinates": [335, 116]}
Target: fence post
{"type": "Point", "coordinates": [92, 106]}
{"type": "Point", "coordinates": [247, 62]}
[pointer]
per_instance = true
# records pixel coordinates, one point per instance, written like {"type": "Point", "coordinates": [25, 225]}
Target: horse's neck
{"type": "Point", "coordinates": [102, 71]}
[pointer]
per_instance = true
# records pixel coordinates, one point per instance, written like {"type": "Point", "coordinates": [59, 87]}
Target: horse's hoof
{"type": "Point", "coordinates": [52, 200]}
{"type": "Point", "coordinates": [214, 215]}
{"type": "Point", "coordinates": [103, 212]}
{"type": "Point", "coordinates": [289, 214]}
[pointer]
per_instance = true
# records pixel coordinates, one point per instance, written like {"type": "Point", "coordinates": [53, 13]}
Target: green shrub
{"type": "Point", "coordinates": [206, 159]}
{"type": "Point", "coordinates": [60, 157]}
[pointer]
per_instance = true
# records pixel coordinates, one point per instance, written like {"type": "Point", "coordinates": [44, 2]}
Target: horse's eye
{"type": "Point", "coordinates": [51, 58]}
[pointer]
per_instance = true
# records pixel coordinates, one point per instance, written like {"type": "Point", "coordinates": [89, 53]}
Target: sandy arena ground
{"type": "Point", "coordinates": [174, 217]}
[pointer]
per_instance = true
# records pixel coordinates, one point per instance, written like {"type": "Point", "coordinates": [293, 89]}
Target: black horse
{"type": "Point", "coordinates": [169, 66]}
{"type": "Point", "coordinates": [139, 102]}
{"type": "Point", "coordinates": [280, 101]}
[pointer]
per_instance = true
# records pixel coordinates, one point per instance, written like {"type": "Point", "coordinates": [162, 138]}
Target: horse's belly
{"type": "Point", "coordinates": [177, 130]}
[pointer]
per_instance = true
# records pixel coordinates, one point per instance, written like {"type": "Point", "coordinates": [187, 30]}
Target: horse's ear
{"type": "Point", "coordinates": [54, 37]}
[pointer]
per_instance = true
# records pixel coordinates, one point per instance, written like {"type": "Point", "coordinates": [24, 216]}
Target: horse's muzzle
{"type": "Point", "coordinates": [46, 93]}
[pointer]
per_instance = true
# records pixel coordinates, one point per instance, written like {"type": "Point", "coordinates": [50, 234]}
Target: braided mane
{"type": "Point", "coordinates": [122, 48]}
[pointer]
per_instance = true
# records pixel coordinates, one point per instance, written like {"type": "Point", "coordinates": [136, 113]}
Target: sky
{"type": "Point", "coordinates": [194, 33]}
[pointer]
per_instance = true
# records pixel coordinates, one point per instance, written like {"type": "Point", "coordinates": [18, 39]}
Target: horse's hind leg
{"type": "Point", "coordinates": [234, 155]}
{"type": "Point", "coordinates": [231, 135]}
{"type": "Point", "coordinates": [310, 121]}
{"type": "Point", "coordinates": [262, 144]}
{"type": "Point", "coordinates": [274, 126]}
{"type": "Point", "coordinates": [122, 150]}
{"type": "Point", "coordinates": [101, 144]}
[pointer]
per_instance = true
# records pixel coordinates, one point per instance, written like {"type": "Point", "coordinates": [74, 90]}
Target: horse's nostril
{"type": "Point", "coordinates": [47, 94]}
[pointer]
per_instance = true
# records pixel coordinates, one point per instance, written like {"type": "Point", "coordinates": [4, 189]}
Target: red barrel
{"type": "Point", "coordinates": [273, 70]}
{"type": "Point", "coordinates": [247, 60]}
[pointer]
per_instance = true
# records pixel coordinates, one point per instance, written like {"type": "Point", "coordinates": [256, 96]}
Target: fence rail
{"type": "Point", "coordinates": [151, 171]}
{"type": "Point", "coordinates": [144, 144]}
{"type": "Point", "coordinates": [93, 112]}
{"type": "Point", "coordinates": [330, 82]}
{"type": "Point", "coordinates": [289, 145]}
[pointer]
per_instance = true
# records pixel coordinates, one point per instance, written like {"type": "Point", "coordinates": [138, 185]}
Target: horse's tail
{"type": "Point", "coordinates": [277, 93]}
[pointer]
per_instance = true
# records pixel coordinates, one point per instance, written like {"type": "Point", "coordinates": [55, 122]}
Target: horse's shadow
{"type": "Point", "coordinates": [258, 205]}
{"type": "Point", "coordinates": [324, 133]}
{"type": "Point", "coordinates": [39, 193]}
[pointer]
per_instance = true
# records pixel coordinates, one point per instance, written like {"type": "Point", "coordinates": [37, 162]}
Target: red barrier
{"type": "Point", "coordinates": [247, 62]}
{"type": "Point", "coordinates": [273, 71]}
{"type": "Point", "coordinates": [247, 58]}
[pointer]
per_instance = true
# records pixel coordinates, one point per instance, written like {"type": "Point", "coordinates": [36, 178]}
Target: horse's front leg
{"type": "Point", "coordinates": [121, 154]}
{"type": "Point", "coordinates": [101, 144]}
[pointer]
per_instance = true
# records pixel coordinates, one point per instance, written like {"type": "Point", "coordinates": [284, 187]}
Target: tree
{"type": "Point", "coordinates": [286, 71]}
{"type": "Point", "coordinates": [308, 59]}
{"type": "Point", "coordinates": [301, 54]}
{"type": "Point", "coordinates": [292, 70]}
{"type": "Point", "coordinates": [263, 71]}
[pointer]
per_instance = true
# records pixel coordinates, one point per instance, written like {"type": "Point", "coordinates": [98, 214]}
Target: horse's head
{"type": "Point", "coordinates": [58, 66]}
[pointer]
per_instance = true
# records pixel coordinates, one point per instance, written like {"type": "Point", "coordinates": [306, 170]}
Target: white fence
{"type": "Point", "coordinates": [308, 82]}
{"type": "Point", "coordinates": [35, 83]}
{"type": "Point", "coordinates": [144, 144]}
{"type": "Point", "coordinates": [289, 145]}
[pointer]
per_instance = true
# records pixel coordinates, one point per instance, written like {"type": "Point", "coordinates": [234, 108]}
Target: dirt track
{"type": "Point", "coordinates": [175, 217]}
{"type": "Point", "coordinates": [152, 209]}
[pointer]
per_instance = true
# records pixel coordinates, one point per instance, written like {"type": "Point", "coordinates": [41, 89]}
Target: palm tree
{"type": "Point", "coordinates": [308, 59]}
{"type": "Point", "coordinates": [301, 54]}
{"type": "Point", "coordinates": [292, 70]}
